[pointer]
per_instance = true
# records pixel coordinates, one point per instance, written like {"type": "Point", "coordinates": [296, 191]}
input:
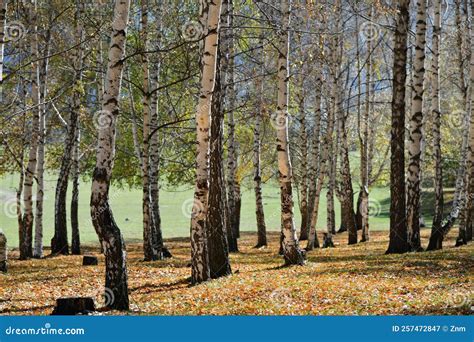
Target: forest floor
{"type": "Point", "coordinates": [346, 280]}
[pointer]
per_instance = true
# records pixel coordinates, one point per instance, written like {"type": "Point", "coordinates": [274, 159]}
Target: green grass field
{"type": "Point", "coordinates": [175, 206]}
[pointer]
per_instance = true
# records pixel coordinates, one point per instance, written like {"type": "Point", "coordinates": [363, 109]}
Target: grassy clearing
{"type": "Point", "coordinates": [356, 280]}
{"type": "Point", "coordinates": [175, 206]}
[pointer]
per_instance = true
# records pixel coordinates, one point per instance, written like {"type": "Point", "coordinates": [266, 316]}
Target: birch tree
{"type": "Point", "coordinates": [232, 153]}
{"type": "Point", "coordinates": [26, 247]}
{"type": "Point", "coordinates": [416, 131]}
{"type": "Point", "coordinates": [459, 199]}
{"type": "Point", "coordinates": [59, 243]}
{"type": "Point", "coordinates": [398, 224]}
{"type": "Point", "coordinates": [149, 250]}
{"type": "Point", "coordinates": [470, 162]}
{"type": "Point", "coordinates": [210, 17]}
{"type": "Point", "coordinates": [101, 212]}
{"type": "Point", "coordinates": [257, 178]}
{"type": "Point", "coordinates": [217, 224]}
{"type": "Point", "coordinates": [291, 250]}
{"type": "Point", "coordinates": [436, 237]}
{"type": "Point", "coordinates": [43, 76]}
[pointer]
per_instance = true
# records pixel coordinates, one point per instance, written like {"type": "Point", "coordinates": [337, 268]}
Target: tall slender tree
{"type": "Point", "coordinates": [416, 131]}
{"type": "Point", "coordinates": [59, 242]}
{"type": "Point", "coordinates": [232, 153]}
{"type": "Point", "coordinates": [101, 212]}
{"type": "Point", "coordinates": [470, 165]}
{"type": "Point", "coordinates": [436, 238]}
{"type": "Point", "coordinates": [291, 250]}
{"type": "Point", "coordinates": [149, 250]}
{"type": "Point", "coordinates": [217, 224]}
{"type": "Point", "coordinates": [210, 19]}
{"type": "Point", "coordinates": [398, 224]}
{"type": "Point", "coordinates": [26, 236]}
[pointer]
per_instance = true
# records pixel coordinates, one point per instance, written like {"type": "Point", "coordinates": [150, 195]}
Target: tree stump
{"type": "Point", "coordinates": [88, 260]}
{"type": "Point", "coordinates": [3, 252]}
{"type": "Point", "coordinates": [74, 306]}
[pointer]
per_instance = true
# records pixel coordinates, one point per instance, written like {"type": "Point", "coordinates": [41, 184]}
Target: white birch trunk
{"type": "Point", "coordinates": [102, 217]}
{"type": "Point", "coordinates": [416, 131]}
{"type": "Point", "coordinates": [26, 248]}
{"type": "Point", "coordinates": [290, 246]}
{"type": "Point", "coordinates": [210, 18]}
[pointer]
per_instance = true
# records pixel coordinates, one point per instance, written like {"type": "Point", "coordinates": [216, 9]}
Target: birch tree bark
{"type": "Point", "coordinates": [75, 239]}
{"type": "Point", "coordinates": [43, 77]}
{"type": "Point", "coordinates": [416, 131]}
{"type": "Point", "coordinates": [210, 18]}
{"type": "Point", "coordinates": [315, 185]}
{"type": "Point", "coordinates": [3, 25]}
{"type": "Point", "coordinates": [470, 162]}
{"type": "Point", "coordinates": [398, 224]}
{"type": "Point", "coordinates": [232, 153]}
{"type": "Point", "coordinates": [257, 178]}
{"type": "Point", "coordinates": [155, 151]}
{"type": "Point", "coordinates": [217, 224]}
{"type": "Point", "coordinates": [363, 203]}
{"type": "Point", "coordinates": [436, 238]}
{"type": "Point", "coordinates": [291, 250]}
{"type": "Point", "coordinates": [59, 242]}
{"type": "Point", "coordinates": [149, 251]}
{"type": "Point", "coordinates": [459, 200]}
{"type": "Point", "coordinates": [303, 136]}
{"type": "Point", "coordinates": [26, 247]}
{"type": "Point", "coordinates": [101, 212]}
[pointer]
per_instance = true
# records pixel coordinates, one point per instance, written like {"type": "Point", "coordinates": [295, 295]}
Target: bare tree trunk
{"type": "Point", "coordinates": [3, 25]}
{"type": "Point", "coordinates": [101, 212]}
{"type": "Point", "coordinates": [232, 154]}
{"type": "Point", "coordinates": [398, 227]}
{"type": "Point", "coordinates": [210, 18]}
{"type": "Point", "coordinates": [148, 247]}
{"type": "Point", "coordinates": [459, 201]}
{"type": "Point", "coordinates": [216, 224]}
{"type": "Point", "coordinates": [363, 200]}
{"type": "Point", "coordinates": [416, 132]}
{"type": "Point", "coordinates": [259, 86]}
{"type": "Point", "coordinates": [348, 217]}
{"type": "Point", "coordinates": [26, 244]}
{"type": "Point", "coordinates": [303, 141]}
{"type": "Point", "coordinates": [291, 250]}
{"type": "Point", "coordinates": [38, 240]}
{"type": "Point", "coordinates": [470, 165]}
{"type": "Point", "coordinates": [155, 153]}
{"type": "Point", "coordinates": [315, 185]}
{"type": "Point", "coordinates": [436, 238]}
{"type": "Point", "coordinates": [59, 242]}
{"type": "Point", "coordinates": [76, 240]}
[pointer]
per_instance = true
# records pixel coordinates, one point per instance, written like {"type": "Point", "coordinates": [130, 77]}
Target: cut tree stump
{"type": "Point", "coordinates": [88, 260]}
{"type": "Point", "coordinates": [74, 306]}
